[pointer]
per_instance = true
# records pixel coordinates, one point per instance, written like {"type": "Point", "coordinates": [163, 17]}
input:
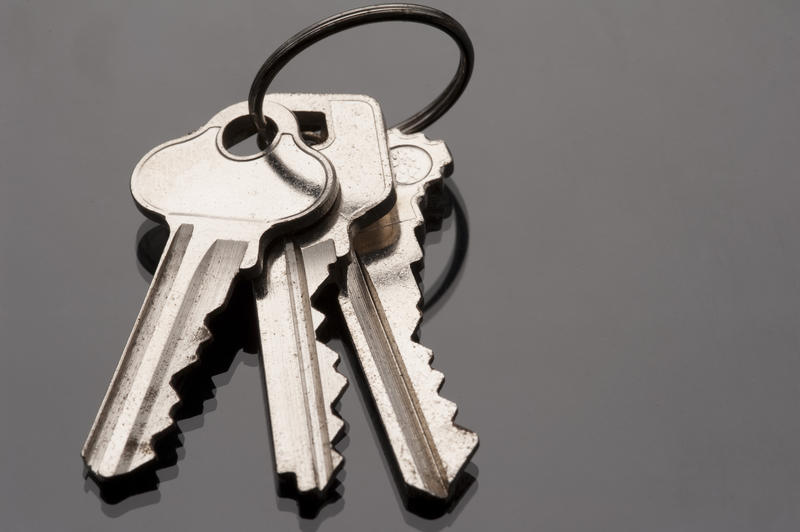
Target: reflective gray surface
{"type": "Point", "coordinates": [624, 333]}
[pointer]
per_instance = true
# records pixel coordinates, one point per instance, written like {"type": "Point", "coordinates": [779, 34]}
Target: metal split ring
{"type": "Point", "coordinates": [359, 17]}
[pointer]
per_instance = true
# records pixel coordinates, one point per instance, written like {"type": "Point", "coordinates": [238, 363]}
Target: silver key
{"type": "Point", "coordinates": [301, 380]}
{"type": "Point", "coordinates": [222, 210]}
{"type": "Point", "coordinates": [380, 303]}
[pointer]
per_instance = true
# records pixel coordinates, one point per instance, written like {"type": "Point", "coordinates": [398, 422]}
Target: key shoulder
{"type": "Point", "coordinates": [356, 144]}
{"type": "Point", "coordinates": [194, 179]}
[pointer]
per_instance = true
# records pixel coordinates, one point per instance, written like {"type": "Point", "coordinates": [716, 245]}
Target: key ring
{"type": "Point", "coordinates": [359, 17]}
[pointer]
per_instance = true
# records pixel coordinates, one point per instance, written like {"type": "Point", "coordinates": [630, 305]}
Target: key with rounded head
{"type": "Point", "coordinates": [222, 210]}
{"type": "Point", "coordinates": [380, 301]}
{"type": "Point", "coordinates": [301, 380]}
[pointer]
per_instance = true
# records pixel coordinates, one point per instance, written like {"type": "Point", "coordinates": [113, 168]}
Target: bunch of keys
{"type": "Point", "coordinates": [335, 199]}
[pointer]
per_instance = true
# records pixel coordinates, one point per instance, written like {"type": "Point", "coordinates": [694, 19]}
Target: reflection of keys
{"type": "Point", "coordinates": [221, 210]}
{"type": "Point", "coordinates": [380, 303]}
{"type": "Point", "coordinates": [301, 380]}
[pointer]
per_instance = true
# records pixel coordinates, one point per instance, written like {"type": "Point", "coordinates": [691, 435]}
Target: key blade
{"type": "Point", "coordinates": [193, 280]}
{"type": "Point", "coordinates": [430, 449]}
{"type": "Point", "coordinates": [301, 382]}
{"type": "Point", "coordinates": [304, 425]}
{"type": "Point", "coordinates": [380, 304]}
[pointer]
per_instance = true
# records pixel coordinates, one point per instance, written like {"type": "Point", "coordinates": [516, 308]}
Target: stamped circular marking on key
{"type": "Point", "coordinates": [411, 164]}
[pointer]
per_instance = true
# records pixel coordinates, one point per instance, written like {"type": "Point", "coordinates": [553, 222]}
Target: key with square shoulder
{"type": "Point", "coordinates": [299, 371]}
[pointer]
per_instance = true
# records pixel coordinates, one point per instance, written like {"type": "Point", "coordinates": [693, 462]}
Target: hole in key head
{"type": "Point", "coordinates": [313, 127]}
{"type": "Point", "coordinates": [240, 139]}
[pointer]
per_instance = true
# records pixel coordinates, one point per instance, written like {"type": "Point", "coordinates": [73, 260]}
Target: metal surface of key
{"type": "Point", "coordinates": [301, 380]}
{"type": "Point", "coordinates": [222, 211]}
{"type": "Point", "coordinates": [380, 303]}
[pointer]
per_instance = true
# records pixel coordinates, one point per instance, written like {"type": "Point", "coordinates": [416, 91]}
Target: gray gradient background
{"type": "Point", "coordinates": [624, 336]}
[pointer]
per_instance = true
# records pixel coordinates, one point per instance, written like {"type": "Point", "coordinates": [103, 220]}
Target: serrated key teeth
{"type": "Point", "coordinates": [335, 425]}
{"type": "Point", "coordinates": [203, 335]}
{"type": "Point", "coordinates": [338, 461]}
{"type": "Point", "coordinates": [317, 318]}
{"type": "Point", "coordinates": [447, 409]}
{"type": "Point", "coordinates": [334, 386]}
